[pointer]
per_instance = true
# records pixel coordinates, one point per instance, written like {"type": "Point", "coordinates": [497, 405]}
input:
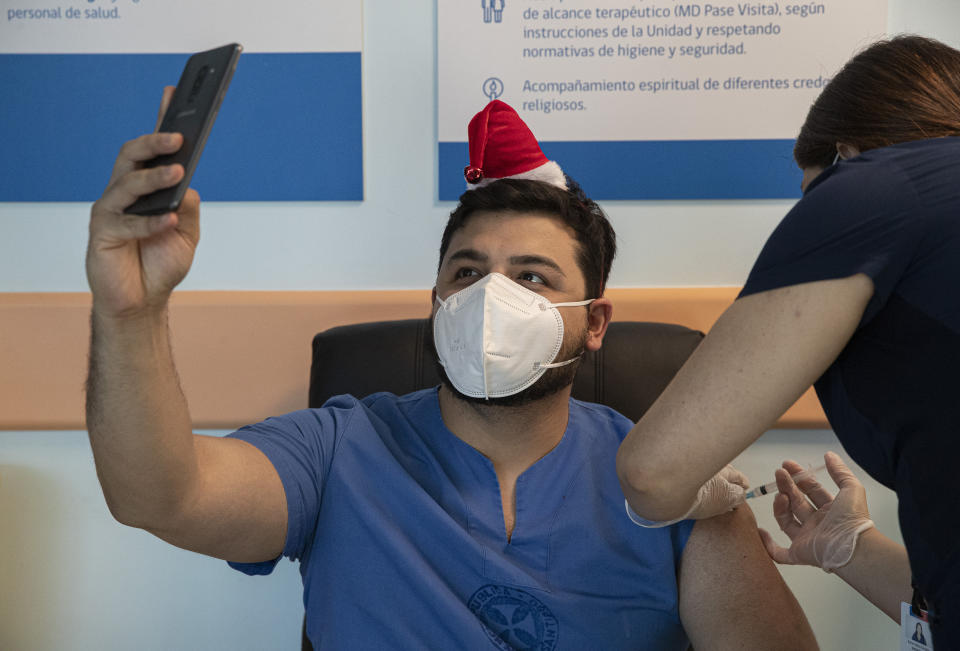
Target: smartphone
{"type": "Point", "coordinates": [192, 112]}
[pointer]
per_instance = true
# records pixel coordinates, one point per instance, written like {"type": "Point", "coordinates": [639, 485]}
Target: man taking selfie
{"type": "Point", "coordinates": [483, 513]}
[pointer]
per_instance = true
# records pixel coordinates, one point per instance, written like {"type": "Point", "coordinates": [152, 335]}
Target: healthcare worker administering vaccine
{"type": "Point", "coordinates": [855, 291]}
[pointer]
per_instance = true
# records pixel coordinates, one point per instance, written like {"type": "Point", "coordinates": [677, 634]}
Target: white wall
{"type": "Point", "coordinates": [71, 578]}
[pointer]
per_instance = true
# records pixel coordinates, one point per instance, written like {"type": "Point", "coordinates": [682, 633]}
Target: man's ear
{"type": "Point", "coordinates": [599, 314]}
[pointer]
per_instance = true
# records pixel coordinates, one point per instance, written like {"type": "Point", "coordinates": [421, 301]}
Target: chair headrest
{"type": "Point", "coordinates": [635, 364]}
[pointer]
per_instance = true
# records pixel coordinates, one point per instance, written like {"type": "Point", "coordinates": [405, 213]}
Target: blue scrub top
{"type": "Point", "coordinates": [399, 531]}
{"type": "Point", "coordinates": [893, 394]}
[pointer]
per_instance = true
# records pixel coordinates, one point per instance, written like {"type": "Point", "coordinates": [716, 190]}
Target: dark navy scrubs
{"type": "Point", "coordinates": [893, 394]}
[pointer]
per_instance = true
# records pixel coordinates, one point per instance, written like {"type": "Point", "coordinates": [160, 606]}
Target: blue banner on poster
{"type": "Point", "coordinates": [651, 169]}
{"type": "Point", "coordinates": [289, 129]}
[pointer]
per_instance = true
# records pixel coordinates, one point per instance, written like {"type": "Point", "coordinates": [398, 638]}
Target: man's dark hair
{"type": "Point", "coordinates": [596, 241]}
{"type": "Point", "coordinates": [898, 90]}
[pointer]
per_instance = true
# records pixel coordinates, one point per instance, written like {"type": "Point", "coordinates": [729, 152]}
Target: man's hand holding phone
{"type": "Point", "coordinates": [134, 262]}
{"type": "Point", "coordinates": [144, 229]}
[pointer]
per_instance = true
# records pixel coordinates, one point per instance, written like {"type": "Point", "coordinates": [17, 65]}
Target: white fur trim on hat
{"type": "Point", "coordinates": [549, 172]}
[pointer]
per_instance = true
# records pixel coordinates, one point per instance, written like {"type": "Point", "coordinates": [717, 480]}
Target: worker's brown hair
{"type": "Point", "coordinates": [897, 90]}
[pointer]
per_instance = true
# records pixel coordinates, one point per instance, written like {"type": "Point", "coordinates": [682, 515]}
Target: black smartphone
{"type": "Point", "coordinates": [192, 112]}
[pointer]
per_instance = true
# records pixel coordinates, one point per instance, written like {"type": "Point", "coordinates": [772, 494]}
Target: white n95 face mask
{"type": "Point", "coordinates": [496, 338]}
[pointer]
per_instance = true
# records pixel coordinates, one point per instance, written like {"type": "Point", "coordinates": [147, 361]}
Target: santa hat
{"type": "Point", "coordinates": [503, 147]}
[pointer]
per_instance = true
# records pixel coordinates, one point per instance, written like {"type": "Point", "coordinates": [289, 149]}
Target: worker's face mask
{"type": "Point", "coordinates": [496, 338]}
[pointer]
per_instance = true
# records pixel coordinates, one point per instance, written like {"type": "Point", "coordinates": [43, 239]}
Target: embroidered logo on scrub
{"type": "Point", "coordinates": [514, 620]}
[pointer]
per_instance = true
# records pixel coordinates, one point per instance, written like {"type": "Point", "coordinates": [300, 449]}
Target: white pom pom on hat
{"type": "Point", "coordinates": [503, 147]}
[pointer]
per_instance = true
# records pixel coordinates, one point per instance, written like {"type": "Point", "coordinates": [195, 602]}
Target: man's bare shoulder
{"type": "Point", "coordinates": [732, 595]}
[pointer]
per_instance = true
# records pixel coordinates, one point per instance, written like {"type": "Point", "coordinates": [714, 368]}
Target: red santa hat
{"type": "Point", "coordinates": [503, 147]}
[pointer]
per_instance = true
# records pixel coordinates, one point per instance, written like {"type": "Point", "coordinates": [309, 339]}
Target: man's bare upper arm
{"type": "Point", "coordinates": [732, 595]}
{"type": "Point", "coordinates": [237, 509]}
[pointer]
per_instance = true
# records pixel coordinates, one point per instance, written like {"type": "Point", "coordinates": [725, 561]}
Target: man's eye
{"type": "Point", "coordinates": [465, 273]}
{"type": "Point", "coordinates": [530, 277]}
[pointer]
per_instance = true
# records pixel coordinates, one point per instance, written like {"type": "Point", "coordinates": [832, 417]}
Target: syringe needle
{"type": "Point", "coordinates": [772, 486]}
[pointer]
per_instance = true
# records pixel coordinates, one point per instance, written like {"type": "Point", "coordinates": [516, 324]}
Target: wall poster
{"type": "Point", "coordinates": [649, 99]}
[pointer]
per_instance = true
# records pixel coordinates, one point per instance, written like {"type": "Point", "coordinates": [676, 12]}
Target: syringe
{"type": "Point", "coordinates": [772, 486]}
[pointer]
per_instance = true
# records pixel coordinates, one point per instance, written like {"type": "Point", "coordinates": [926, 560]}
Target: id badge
{"type": "Point", "coordinates": [914, 630]}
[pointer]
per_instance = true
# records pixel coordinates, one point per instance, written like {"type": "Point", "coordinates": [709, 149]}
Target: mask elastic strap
{"type": "Point", "coordinates": [547, 306]}
{"type": "Point", "coordinates": [569, 304]}
{"type": "Point", "coordinates": [556, 364]}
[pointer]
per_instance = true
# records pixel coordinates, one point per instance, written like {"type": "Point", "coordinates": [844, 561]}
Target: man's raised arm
{"type": "Point", "coordinates": [220, 497]}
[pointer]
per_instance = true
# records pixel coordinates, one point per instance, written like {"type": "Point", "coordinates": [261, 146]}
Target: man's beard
{"type": "Point", "coordinates": [553, 380]}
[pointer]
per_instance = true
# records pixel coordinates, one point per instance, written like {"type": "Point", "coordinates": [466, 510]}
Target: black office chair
{"type": "Point", "coordinates": [633, 367]}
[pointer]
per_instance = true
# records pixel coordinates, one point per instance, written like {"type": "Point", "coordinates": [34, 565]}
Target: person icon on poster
{"type": "Point", "coordinates": [918, 636]}
{"type": "Point", "coordinates": [492, 10]}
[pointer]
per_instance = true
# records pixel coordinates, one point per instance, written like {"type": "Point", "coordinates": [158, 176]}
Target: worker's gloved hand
{"type": "Point", "coordinates": [823, 529]}
{"type": "Point", "coordinates": [720, 494]}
